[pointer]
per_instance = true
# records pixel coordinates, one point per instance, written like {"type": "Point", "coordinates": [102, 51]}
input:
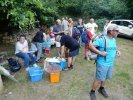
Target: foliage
{"type": "Point", "coordinates": [25, 14]}
{"type": "Point", "coordinates": [101, 23]}
{"type": "Point", "coordinates": [105, 8]}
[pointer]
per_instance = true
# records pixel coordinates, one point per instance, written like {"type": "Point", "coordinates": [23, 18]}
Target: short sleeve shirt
{"type": "Point", "coordinates": [91, 27]}
{"type": "Point", "coordinates": [20, 46]}
{"type": "Point", "coordinates": [57, 28]}
{"type": "Point", "coordinates": [110, 49]}
{"type": "Point", "coordinates": [69, 42]}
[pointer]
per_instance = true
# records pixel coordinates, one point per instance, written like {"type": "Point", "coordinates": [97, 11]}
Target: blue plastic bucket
{"type": "Point", "coordinates": [36, 73]}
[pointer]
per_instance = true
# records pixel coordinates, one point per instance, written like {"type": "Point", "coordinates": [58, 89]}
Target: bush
{"type": "Point", "coordinates": [101, 23]}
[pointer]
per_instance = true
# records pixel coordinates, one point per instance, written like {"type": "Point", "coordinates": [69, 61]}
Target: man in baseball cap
{"type": "Point", "coordinates": [105, 59]}
{"type": "Point", "coordinates": [111, 29]}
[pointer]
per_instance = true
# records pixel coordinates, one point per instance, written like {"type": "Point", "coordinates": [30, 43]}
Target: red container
{"type": "Point", "coordinates": [47, 50]}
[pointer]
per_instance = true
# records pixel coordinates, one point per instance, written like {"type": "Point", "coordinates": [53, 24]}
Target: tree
{"type": "Point", "coordinates": [24, 14]}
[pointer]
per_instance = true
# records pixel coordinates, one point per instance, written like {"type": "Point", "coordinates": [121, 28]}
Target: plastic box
{"type": "Point", "coordinates": [62, 64]}
{"type": "Point", "coordinates": [36, 73]}
{"type": "Point", "coordinates": [47, 50]}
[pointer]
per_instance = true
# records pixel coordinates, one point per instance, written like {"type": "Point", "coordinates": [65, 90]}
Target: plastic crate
{"type": "Point", "coordinates": [36, 73]}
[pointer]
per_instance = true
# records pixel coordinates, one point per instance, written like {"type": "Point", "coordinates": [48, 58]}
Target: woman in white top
{"type": "Point", "coordinates": [23, 52]}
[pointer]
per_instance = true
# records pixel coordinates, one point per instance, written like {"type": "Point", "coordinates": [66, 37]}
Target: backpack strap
{"type": "Point", "coordinates": [105, 47]}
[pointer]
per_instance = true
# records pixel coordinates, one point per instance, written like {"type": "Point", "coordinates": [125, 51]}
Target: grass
{"type": "Point", "coordinates": [75, 84]}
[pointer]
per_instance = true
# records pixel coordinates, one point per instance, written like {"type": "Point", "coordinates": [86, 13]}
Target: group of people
{"type": "Point", "coordinates": [66, 35]}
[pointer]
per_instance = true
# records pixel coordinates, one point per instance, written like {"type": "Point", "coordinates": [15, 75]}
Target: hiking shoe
{"type": "Point", "coordinates": [71, 66]}
{"type": "Point", "coordinates": [103, 92]}
{"type": "Point", "coordinates": [92, 96]}
{"type": "Point", "coordinates": [85, 58]}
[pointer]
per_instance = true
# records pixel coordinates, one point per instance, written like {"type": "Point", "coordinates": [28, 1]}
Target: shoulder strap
{"type": "Point", "coordinates": [105, 46]}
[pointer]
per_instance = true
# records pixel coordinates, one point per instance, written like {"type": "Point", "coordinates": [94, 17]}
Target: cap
{"type": "Point", "coordinates": [113, 27]}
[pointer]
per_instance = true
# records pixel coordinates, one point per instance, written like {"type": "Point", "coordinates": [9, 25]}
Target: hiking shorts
{"type": "Point", "coordinates": [73, 53]}
{"type": "Point", "coordinates": [103, 72]}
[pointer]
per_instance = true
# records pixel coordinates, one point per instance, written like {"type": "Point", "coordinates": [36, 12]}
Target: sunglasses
{"type": "Point", "coordinates": [116, 30]}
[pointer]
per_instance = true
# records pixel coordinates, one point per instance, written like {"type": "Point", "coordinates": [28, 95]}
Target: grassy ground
{"type": "Point", "coordinates": [75, 84]}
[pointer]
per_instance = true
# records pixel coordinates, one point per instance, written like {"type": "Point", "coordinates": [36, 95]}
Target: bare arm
{"type": "Point", "coordinates": [96, 28]}
{"type": "Point", "coordinates": [44, 37]}
{"type": "Point", "coordinates": [94, 49]}
{"type": "Point", "coordinates": [60, 32]}
{"type": "Point", "coordinates": [62, 51]}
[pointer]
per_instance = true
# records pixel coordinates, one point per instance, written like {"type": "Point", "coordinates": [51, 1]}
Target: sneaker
{"type": "Point", "coordinates": [103, 92]}
{"type": "Point", "coordinates": [85, 58]}
{"type": "Point", "coordinates": [35, 65]}
{"type": "Point", "coordinates": [27, 69]}
{"type": "Point", "coordinates": [92, 96]}
{"type": "Point", "coordinates": [71, 66]}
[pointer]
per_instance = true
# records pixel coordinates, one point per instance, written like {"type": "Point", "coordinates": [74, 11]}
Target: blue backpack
{"type": "Point", "coordinates": [75, 33]}
{"type": "Point", "coordinates": [84, 37]}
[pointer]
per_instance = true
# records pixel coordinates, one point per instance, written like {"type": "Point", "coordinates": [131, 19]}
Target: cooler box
{"type": "Point", "coordinates": [61, 64]}
{"type": "Point", "coordinates": [36, 73]}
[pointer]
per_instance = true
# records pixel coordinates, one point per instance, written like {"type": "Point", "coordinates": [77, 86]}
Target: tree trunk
{"type": "Point", "coordinates": [1, 85]}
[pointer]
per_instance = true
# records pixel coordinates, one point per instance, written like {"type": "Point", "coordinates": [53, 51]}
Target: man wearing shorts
{"type": "Point", "coordinates": [73, 46]}
{"type": "Point", "coordinates": [105, 59]}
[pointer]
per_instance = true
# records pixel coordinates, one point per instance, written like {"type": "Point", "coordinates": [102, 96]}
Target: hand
{"type": "Point", "coordinates": [60, 32]}
{"type": "Point", "coordinates": [25, 51]}
{"type": "Point", "coordinates": [103, 53]}
{"type": "Point", "coordinates": [60, 59]}
{"type": "Point", "coordinates": [118, 53]}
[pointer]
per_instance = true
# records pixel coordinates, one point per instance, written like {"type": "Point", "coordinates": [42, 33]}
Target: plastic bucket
{"type": "Point", "coordinates": [55, 77]}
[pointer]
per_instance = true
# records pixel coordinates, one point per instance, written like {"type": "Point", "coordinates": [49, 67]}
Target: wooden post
{"type": "Point", "coordinates": [1, 85]}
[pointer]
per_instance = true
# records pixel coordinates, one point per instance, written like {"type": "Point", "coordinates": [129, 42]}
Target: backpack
{"type": "Point", "coordinates": [75, 33]}
{"type": "Point", "coordinates": [93, 56]}
{"type": "Point", "coordinates": [86, 36]}
{"type": "Point", "coordinates": [14, 65]}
